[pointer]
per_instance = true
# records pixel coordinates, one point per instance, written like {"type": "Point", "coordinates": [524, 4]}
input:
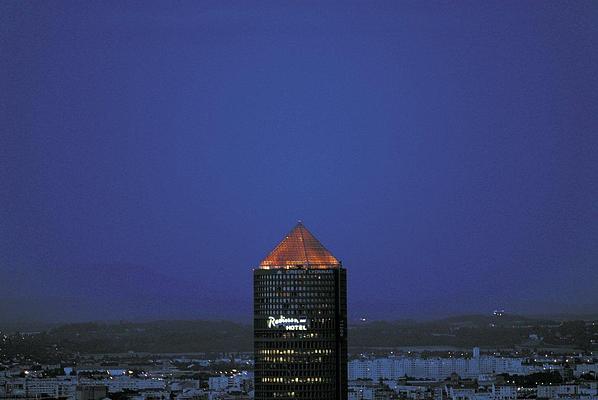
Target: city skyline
{"type": "Point", "coordinates": [152, 152]}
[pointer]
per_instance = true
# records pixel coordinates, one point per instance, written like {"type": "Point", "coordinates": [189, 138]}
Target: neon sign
{"type": "Point", "coordinates": [289, 324]}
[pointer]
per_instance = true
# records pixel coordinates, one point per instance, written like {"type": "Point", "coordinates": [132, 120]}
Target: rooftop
{"type": "Point", "coordinates": [299, 249]}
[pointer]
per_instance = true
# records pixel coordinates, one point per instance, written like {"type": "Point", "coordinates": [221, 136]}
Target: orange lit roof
{"type": "Point", "coordinates": [299, 248]}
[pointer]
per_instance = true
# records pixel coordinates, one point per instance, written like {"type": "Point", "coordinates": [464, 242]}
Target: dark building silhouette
{"type": "Point", "coordinates": [300, 320]}
{"type": "Point", "coordinates": [91, 392]}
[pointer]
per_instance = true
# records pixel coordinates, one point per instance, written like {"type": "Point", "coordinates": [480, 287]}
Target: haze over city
{"type": "Point", "coordinates": [152, 156]}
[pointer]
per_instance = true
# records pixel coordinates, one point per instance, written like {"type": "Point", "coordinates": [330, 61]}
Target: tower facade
{"type": "Point", "coordinates": [300, 322]}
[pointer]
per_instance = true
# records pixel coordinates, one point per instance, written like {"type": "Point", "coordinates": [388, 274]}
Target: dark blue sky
{"type": "Point", "coordinates": [153, 153]}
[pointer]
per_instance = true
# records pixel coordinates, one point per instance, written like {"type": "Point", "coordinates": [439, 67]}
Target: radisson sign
{"type": "Point", "coordinates": [289, 324]}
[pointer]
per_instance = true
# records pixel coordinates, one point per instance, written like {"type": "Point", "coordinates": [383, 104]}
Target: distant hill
{"type": "Point", "coordinates": [180, 336]}
{"type": "Point", "coordinates": [478, 321]}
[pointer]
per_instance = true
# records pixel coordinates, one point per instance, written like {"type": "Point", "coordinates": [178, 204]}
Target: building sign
{"type": "Point", "coordinates": [290, 324]}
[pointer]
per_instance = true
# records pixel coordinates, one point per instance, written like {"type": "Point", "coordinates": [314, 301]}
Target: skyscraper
{"type": "Point", "coordinates": [300, 321]}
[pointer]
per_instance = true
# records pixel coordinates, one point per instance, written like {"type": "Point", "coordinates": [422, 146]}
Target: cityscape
{"type": "Point", "coordinates": [532, 370]}
{"type": "Point", "coordinates": [300, 350]}
{"type": "Point", "coordinates": [298, 200]}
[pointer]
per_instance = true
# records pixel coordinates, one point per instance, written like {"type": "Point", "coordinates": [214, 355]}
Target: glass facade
{"type": "Point", "coordinates": [300, 318]}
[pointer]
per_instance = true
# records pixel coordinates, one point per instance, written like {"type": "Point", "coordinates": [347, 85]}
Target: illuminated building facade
{"type": "Point", "coordinates": [300, 319]}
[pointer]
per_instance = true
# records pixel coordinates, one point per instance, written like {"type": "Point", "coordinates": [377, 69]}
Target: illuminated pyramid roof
{"type": "Point", "coordinates": [299, 248]}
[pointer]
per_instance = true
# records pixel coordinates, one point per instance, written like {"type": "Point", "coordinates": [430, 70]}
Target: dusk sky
{"type": "Point", "coordinates": [151, 154]}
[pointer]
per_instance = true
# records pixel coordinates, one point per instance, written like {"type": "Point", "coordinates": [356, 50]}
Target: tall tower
{"type": "Point", "coordinates": [300, 321]}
